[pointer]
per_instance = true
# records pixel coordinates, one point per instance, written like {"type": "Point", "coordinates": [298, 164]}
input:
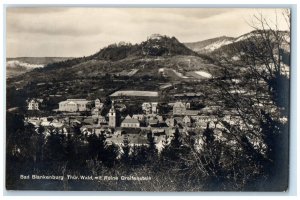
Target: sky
{"type": "Point", "coordinates": [82, 31]}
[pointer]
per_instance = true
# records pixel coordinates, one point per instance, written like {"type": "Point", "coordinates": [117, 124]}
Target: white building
{"type": "Point", "coordinates": [187, 120]}
{"type": "Point", "coordinates": [112, 122]}
{"type": "Point", "coordinates": [74, 105]}
{"type": "Point", "coordinates": [139, 117]}
{"type": "Point", "coordinates": [34, 104]}
{"type": "Point", "coordinates": [129, 122]}
{"type": "Point", "coordinates": [179, 108]}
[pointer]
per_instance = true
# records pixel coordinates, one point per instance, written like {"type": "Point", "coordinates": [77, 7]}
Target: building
{"type": "Point", "coordinates": [192, 112]}
{"type": "Point", "coordinates": [34, 104]}
{"type": "Point", "coordinates": [187, 120]}
{"type": "Point", "coordinates": [153, 122]}
{"type": "Point", "coordinates": [102, 120]}
{"type": "Point", "coordinates": [179, 108]}
{"type": "Point", "coordinates": [170, 122]}
{"type": "Point", "coordinates": [154, 36]}
{"type": "Point", "coordinates": [97, 109]}
{"type": "Point", "coordinates": [74, 105]}
{"type": "Point", "coordinates": [139, 117]}
{"type": "Point", "coordinates": [95, 112]}
{"type": "Point", "coordinates": [154, 107]}
{"type": "Point", "coordinates": [178, 120]}
{"type": "Point", "coordinates": [129, 122]}
{"type": "Point", "coordinates": [149, 107]}
{"type": "Point", "coordinates": [112, 121]}
{"type": "Point", "coordinates": [98, 104]}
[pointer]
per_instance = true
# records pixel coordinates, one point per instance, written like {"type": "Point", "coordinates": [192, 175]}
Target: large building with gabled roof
{"type": "Point", "coordinates": [74, 105]}
{"type": "Point", "coordinates": [129, 122]}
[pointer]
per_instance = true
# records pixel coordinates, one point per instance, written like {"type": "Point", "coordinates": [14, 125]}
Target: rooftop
{"type": "Point", "coordinates": [133, 93]}
{"type": "Point", "coordinates": [130, 120]}
{"type": "Point", "coordinates": [179, 104]}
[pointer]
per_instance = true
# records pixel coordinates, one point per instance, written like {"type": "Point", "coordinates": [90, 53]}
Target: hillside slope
{"type": "Point", "coordinates": [209, 45]}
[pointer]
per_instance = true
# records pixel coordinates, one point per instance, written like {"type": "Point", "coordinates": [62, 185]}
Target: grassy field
{"type": "Point", "coordinates": [199, 74]}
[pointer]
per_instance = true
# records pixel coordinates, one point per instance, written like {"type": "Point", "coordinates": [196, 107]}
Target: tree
{"type": "Point", "coordinates": [54, 148]}
{"type": "Point", "coordinates": [175, 152]}
{"type": "Point", "coordinates": [255, 89]}
{"type": "Point", "coordinates": [125, 156]}
{"type": "Point", "coordinates": [151, 147]}
{"type": "Point", "coordinates": [170, 152]}
{"type": "Point", "coordinates": [111, 152]}
{"type": "Point", "coordinates": [14, 129]}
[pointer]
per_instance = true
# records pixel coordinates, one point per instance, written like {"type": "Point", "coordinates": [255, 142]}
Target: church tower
{"type": "Point", "coordinates": [112, 116]}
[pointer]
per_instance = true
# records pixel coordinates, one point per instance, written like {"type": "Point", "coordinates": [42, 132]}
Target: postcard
{"type": "Point", "coordinates": [147, 99]}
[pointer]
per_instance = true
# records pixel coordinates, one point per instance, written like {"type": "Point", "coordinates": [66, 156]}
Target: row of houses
{"type": "Point", "coordinates": [81, 105]}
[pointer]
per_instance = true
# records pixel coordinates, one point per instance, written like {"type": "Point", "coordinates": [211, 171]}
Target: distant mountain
{"type": "Point", "coordinates": [38, 60]}
{"type": "Point", "coordinates": [207, 46]}
{"type": "Point", "coordinates": [233, 50]}
{"type": "Point", "coordinates": [20, 65]}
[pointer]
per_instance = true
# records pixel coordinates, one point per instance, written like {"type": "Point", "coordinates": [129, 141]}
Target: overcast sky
{"type": "Point", "coordinates": [74, 32]}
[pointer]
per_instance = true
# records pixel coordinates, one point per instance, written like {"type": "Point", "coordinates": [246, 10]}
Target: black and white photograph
{"type": "Point", "coordinates": [148, 99]}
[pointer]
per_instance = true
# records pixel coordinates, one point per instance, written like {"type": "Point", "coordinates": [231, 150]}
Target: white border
{"type": "Point", "coordinates": [149, 3]}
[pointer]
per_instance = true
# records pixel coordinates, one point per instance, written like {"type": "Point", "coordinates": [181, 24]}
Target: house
{"type": "Point", "coordinates": [34, 104]}
{"type": "Point", "coordinates": [133, 138]}
{"type": "Point", "coordinates": [153, 122]}
{"type": "Point", "coordinates": [170, 122]}
{"type": "Point", "coordinates": [146, 107]}
{"type": "Point", "coordinates": [74, 105]}
{"type": "Point", "coordinates": [192, 112]}
{"type": "Point", "coordinates": [102, 120]}
{"type": "Point", "coordinates": [98, 104]}
{"type": "Point", "coordinates": [203, 120]}
{"type": "Point", "coordinates": [45, 122]}
{"type": "Point", "coordinates": [139, 117]}
{"type": "Point", "coordinates": [95, 112]}
{"type": "Point", "coordinates": [149, 107]}
{"type": "Point", "coordinates": [56, 124]}
{"type": "Point", "coordinates": [34, 121]}
{"type": "Point", "coordinates": [154, 107]}
{"type": "Point", "coordinates": [178, 120]}
{"type": "Point", "coordinates": [179, 108]}
{"type": "Point", "coordinates": [187, 120]}
{"type": "Point", "coordinates": [89, 120]}
{"type": "Point", "coordinates": [129, 122]}
{"type": "Point", "coordinates": [159, 118]}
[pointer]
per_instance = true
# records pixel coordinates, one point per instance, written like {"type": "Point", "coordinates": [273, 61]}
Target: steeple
{"type": "Point", "coordinates": [112, 116]}
{"type": "Point", "coordinates": [112, 109]}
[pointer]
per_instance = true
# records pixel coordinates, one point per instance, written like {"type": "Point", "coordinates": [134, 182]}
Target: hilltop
{"type": "Point", "coordinates": [155, 45]}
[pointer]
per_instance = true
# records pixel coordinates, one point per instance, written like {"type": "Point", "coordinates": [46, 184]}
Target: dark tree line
{"type": "Point", "coordinates": [187, 161]}
{"type": "Point", "coordinates": [180, 165]}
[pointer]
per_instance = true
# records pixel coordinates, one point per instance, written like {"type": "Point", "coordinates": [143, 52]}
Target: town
{"type": "Point", "coordinates": [160, 119]}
